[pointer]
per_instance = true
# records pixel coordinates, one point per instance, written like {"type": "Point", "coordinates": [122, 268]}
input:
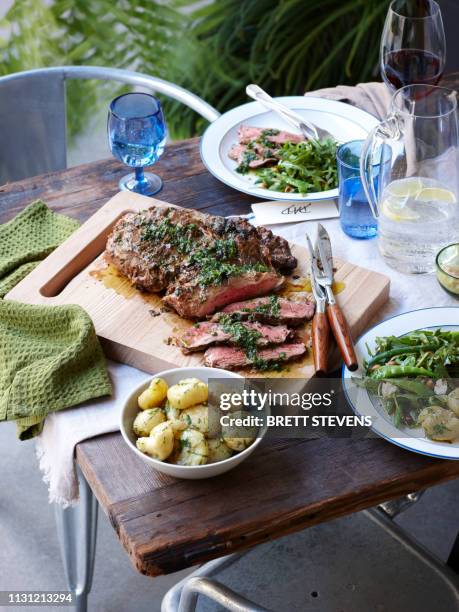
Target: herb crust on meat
{"type": "Point", "coordinates": [201, 262]}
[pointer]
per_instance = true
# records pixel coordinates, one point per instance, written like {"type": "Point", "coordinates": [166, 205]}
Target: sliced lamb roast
{"type": "Point", "coordinates": [232, 358]}
{"type": "Point", "coordinates": [203, 262]}
{"type": "Point", "coordinates": [254, 157]}
{"type": "Point", "coordinates": [193, 301]}
{"type": "Point", "coordinates": [271, 309]}
{"type": "Point", "coordinates": [200, 336]}
{"type": "Point", "coordinates": [247, 133]}
{"type": "Point", "coordinates": [259, 147]}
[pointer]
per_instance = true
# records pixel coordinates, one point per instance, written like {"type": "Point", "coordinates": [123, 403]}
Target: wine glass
{"type": "Point", "coordinates": [413, 47]}
{"type": "Point", "coordinates": [137, 136]}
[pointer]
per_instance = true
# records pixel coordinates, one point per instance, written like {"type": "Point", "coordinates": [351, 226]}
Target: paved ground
{"type": "Point", "coordinates": [30, 559]}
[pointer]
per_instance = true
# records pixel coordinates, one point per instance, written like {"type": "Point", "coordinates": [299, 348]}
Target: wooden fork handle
{"type": "Point", "coordinates": [320, 342]}
{"type": "Point", "coordinates": [342, 335]}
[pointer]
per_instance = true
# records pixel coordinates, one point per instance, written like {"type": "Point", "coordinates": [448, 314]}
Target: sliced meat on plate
{"type": "Point", "coordinates": [255, 157]}
{"type": "Point", "coordinates": [247, 133]}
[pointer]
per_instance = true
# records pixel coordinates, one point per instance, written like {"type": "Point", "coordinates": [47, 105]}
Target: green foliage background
{"type": "Point", "coordinates": [286, 46]}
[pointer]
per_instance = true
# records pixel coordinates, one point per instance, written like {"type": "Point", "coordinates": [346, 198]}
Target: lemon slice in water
{"type": "Point", "coordinates": [397, 194]}
{"type": "Point", "coordinates": [395, 211]}
{"type": "Point", "coordinates": [405, 188]}
{"type": "Point", "coordinates": [436, 194]}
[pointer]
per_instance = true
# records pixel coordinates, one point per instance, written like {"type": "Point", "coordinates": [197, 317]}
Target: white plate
{"type": "Point", "coordinates": [411, 439]}
{"type": "Point", "coordinates": [343, 121]}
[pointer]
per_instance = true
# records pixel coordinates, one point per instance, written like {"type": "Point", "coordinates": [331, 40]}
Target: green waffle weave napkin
{"type": "Point", "coordinates": [50, 357]}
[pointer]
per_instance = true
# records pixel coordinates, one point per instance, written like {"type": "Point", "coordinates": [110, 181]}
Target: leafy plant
{"type": "Point", "coordinates": [286, 46]}
{"type": "Point", "coordinates": [134, 34]}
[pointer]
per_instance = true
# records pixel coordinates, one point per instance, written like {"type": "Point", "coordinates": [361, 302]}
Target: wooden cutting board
{"type": "Point", "coordinates": [132, 325]}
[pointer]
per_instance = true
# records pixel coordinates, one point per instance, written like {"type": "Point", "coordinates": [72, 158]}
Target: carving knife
{"type": "Point", "coordinates": [320, 325]}
{"type": "Point", "coordinates": [338, 323]}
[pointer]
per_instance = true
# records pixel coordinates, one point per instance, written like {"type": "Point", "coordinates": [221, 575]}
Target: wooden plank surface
{"type": "Point", "coordinates": [73, 274]}
{"type": "Point", "coordinates": [165, 524]}
{"type": "Point", "coordinates": [80, 191]}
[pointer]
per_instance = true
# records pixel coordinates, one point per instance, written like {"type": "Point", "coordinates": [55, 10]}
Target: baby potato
{"type": "Point", "coordinates": [146, 420]}
{"type": "Point", "coordinates": [439, 423]}
{"type": "Point", "coordinates": [194, 449]}
{"type": "Point", "coordinates": [196, 417]}
{"type": "Point", "coordinates": [160, 442]}
{"type": "Point", "coordinates": [154, 394]}
{"type": "Point", "coordinates": [238, 444]}
{"type": "Point", "coordinates": [453, 401]}
{"type": "Point", "coordinates": [186, 393]}
{"type": "Point", "coordinates": [238, 437]}
{"type": "Point", "coordinates": [173, 416]}
{"type": "Point", "coordinates": [218, 450]}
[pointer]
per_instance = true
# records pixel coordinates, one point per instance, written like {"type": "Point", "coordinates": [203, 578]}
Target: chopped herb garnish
{"type": "Point", "coordinates": [244, 337]}
{"type": "Point", "coordinates": [439, 429]}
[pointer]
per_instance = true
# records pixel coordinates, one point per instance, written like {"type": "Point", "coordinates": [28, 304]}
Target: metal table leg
{"type": "Point", "coordinates": [77, 531]}
{"type": "Point", "coordinates": [396, 506]}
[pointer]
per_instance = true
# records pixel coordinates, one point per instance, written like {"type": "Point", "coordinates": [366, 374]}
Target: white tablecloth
{"type": "Point", "coordinates": [64, 429]}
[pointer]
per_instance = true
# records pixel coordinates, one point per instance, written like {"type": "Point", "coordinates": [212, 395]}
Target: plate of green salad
{"type": "Point", "coordinates": [408, 381]}
{"type": "Point", "coordinates": [253, 150]}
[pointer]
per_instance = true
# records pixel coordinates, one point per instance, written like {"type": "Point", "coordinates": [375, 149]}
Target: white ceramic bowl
{"type": "Point", "coordinates": [193, 472]}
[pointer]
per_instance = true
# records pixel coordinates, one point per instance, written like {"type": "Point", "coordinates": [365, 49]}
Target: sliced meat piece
{"type": "Point", "coordinates": [271, 309]}
{"type": "Point", "coordinates": [237, 152]}
{"type": "Point", "coordinates": [263, 161]}
{"type": "Point", "coordinates": [231, 358]}
{"type": "Point", "coordinates": [202, 335]}
{"type": "Point", "coordinates": [247, 133]}
{"type": "Point", "coordinates": [193, 301]}
{"type": "Point", "coordinates": [283, 137]}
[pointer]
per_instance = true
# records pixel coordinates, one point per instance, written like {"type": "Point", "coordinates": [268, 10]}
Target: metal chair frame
{"type": "Point", "coordinates": [33, 111]}
{"type": "Point", "coordinates": [183, 596]}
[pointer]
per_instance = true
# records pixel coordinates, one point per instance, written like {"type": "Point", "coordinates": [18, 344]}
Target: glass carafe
{"type": "Point", "coordinates": [417, 201]}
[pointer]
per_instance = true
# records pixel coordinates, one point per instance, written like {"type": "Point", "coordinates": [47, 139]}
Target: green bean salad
{"type": "Point", "coordinates": [417, 379]}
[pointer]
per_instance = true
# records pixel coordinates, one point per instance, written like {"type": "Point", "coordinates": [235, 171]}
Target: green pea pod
{"type": "Point", "coordinates": [400, 371]}
{"type": "Point", "coordinates": [386, 355]}
{"type": "Point", "coordinates": [415, 387]}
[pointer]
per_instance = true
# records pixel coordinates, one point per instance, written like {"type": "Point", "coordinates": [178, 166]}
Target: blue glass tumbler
{"type": "Point", "coordinates": [137, 137]}
{"type": "Point", "coordinates": [356, 217]}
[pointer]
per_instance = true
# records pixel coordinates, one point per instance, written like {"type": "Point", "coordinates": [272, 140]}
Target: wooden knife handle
{"type": "Point", "coordinates": [342, 335]}
{"type": "Point", "coordinates": [320, 342]}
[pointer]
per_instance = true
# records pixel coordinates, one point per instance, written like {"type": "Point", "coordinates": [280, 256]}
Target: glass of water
{"type": "Point", "coordinates": [356, 217]}
{"type": "Point", "coordinates": [137, 136]}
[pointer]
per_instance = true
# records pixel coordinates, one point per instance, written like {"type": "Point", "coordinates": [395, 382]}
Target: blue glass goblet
{"type": "Point", "coordinates": [137, 136]}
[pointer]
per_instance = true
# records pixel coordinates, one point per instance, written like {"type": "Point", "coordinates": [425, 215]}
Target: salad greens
{"type": "Point", "coordinates": [301, 167]}
{"type": "Point", "coordinates": [435, 351]}
{"type": "Point", "coordinates": [417, 379]}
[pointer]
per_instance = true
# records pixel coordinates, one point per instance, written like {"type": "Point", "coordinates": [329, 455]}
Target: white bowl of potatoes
{"type": "Point", "coordinates": [165, 422]}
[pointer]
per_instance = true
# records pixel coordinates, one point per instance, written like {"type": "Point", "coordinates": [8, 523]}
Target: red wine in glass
{"type": "Point", "coordinates": [413, 47]}
{"type": "Point", "coordinates": [411, 67]}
